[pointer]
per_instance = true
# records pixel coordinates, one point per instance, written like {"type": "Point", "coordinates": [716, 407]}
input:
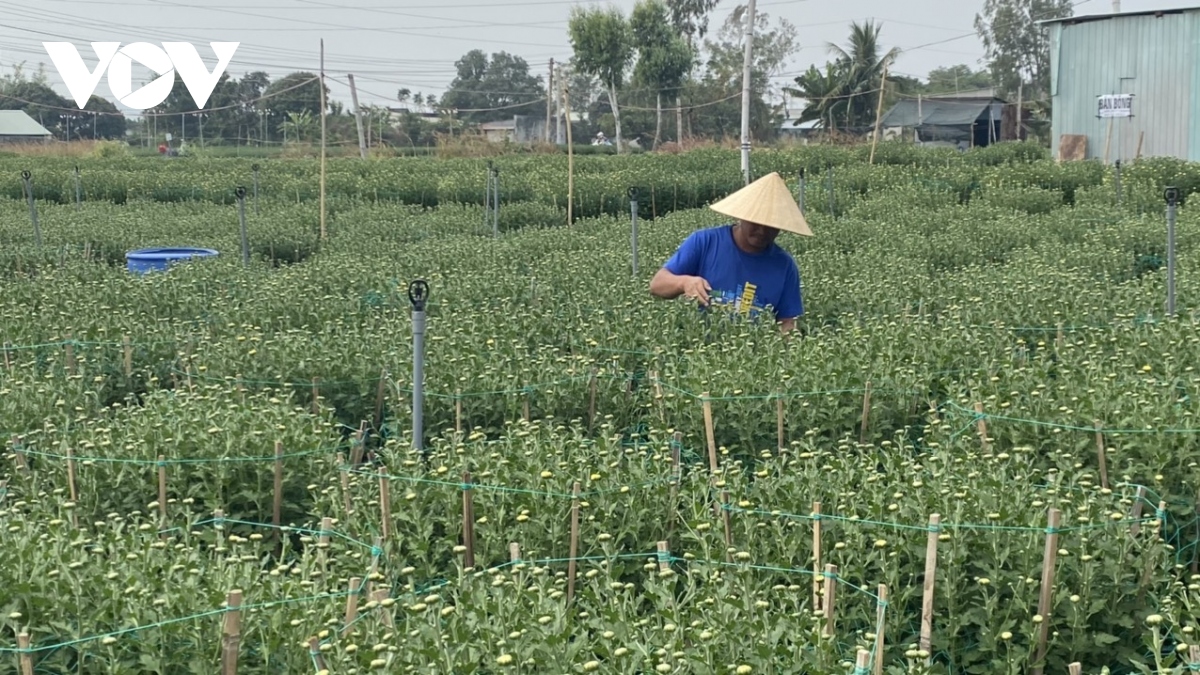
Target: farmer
{"type": "Point", "coordinates": [738, 267]}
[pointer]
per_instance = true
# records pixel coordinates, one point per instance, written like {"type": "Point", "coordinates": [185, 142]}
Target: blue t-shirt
{"type": "Point", "coordinates": [767, 280]}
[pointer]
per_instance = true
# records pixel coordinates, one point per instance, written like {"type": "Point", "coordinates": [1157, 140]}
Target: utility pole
{"type": "Point", "coordinates": [322, 85]}
{"type": "Point", "coordinates": [549, 100]}
{"type": "Point", "coordinates": [558, 111]}
{"type": "Point", "coordinates": [1116, 6]}
{"type": "Point", "coordinates": [746, 68]}
{"type": "Point", "coordinates": [362, 141]}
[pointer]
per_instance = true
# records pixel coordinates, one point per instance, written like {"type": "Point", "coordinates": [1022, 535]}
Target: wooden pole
{"type": "Point", "coordinates": [277, 510]}
{"type": "Point", "coordinates": [232, 633]}
{"type": "Point", "coordinates": [358, 121]}
{"type": "Point", "coordinates": [316, 397]}
{"type": "Point", "coordinates": [982, 426]}
{"type": "Point", "coordinates": [592, 402]}
{"type": "Point", "coordinates": [458, 418]}
{"type": "Point", "coordinates": [351, 604]}
{"type": "Point", "coordinates": [931, 546]}
{"type": "Point", "coordinates": [880, 625]}
{"type": "Point", "coordinates": [7, 363]}
{"type": "Point", "coordinates": [322, 139]}
{"type": "Point", "coordinates": [710, 433]}
{"type": "Point", "coordinates": [1101, 457]}
{"type": "Point", "coordinates": [779, 424]}
{"type": "Point", "coordinates": [1047, 594]}
{"type": "Point", "coordinates": [385, 502]}
{"type": "Point", "coordinates": [862, 662]}
{"type": "Point", "coordinates": [468, 522]}
{"type": "Point", "coordinates": [1136, 512]}
{"type": "Point", "coordinates": [341, 459]}
{"type": "Point", "coordinates": [162, 489]}
{"type": "Point", "coordinates": [314, 650]}
{"type": "Point", "coordinates": [70, 348]}
{"type": "Point", "coordinates": [26, 657]}
{"type": "Point", "coordinates": [514, 552]}
{"type": "Point", "coordinates": [829, 601]}
{"type": "Point", "coordinates": [817, 556]}
{"type": "Point", "coordinates": [1075, 668]}
{"type": "Point", "coordinates": [128, 349]}
{"type": "Point", "coordinates": [879, 113]}
{"type": "Point", "coordinates": [571, 563]}
{"type": "Point", "coordinates": [866, 412]}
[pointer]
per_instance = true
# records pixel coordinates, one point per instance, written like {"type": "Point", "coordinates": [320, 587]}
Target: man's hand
{"type": "Point", "coordinates": [670, 286]}
{"type": "Point", "coordinates": [697, 288]}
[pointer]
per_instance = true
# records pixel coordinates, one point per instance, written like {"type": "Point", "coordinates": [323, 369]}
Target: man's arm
{"type": "Point", "coordinates": [681, 274]}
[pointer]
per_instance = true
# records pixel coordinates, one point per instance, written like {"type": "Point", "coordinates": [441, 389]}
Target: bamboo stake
{"type": "Point", "coordinates": [458, 420]}
{"type": "Point", "coordinates": [526, 405]}
{"type": "Point", "coordinates": [592, 404]}
{"type": "Point", "coordinates": [571, 563]}
{"type": "Point", "coordinates": [1075, 668]}
{"type": "Point", "coordinates": [162, 490]}
{"type": "Point", "coordinates": [232, 633]}
{"type": "Point", "coordinates": [1047, 594]}
{"type": "Point", "coordinates": [22, 464]}
{"type": "Point", "coordinates": [70, 347]}
{"type": "Point", "coordinates": [385, 501]}
{"type": "Point", "coordinates": [277, 510]}
{"type": "Point", "coordinates": [351, 604]}
{"type": "Point", "coordinates": [1141, 136]}
{"type": "Point", "coordinates": [379, 396]}
{"type": "Point", "coordinates": [1194, 655]}
{"type": "Point", "coordinates": [830, 593]}
{"type": "Point", "coordinates": [779, 424]}
{"type": "Point", "coordinates": [379, 596]}
{"type": "Point", "coordinates": [866, 412]}
{"type": "Point", "coordinates": [468, 517]}
{"type": "Point", "coordinates": [878, 113]}
{"type": "Point", "coordinates": [1108, 139]}
{"type": "Point", "coordinates": [862, 662]}
{"type": "Point", "coordinates": [341, 458]}
{"type": "Point", "coordinates": [72, 489]}
{"type": "Point", "coordinates": [710, 433]}
{"type": "Point", "coordinates": [676, 478]}
{"type": "Point", "coordinates": [880, 625]}
{"type": "Point", "coordinates": [931, 549]}
{"type": "Point", "coordinates": [725, 518]}
{"type": "Point", "coordinates": [26, 657]}
{"type": "Point", "coordinates": [817, 556]}
{"type": "Point", "coordinates": [1136, 513]}
{"type": "Point", "coordinates": [664, 557]}
{"type": "Point", "coordinates": [1101, 457]}
{"type": "Point", "coordinates": [316, 395]}
{"type": "Point", "coordinates": [982, 426]}
{"type": "Point", "coordinates": [514, 552]}
{"type": "Point", "coordinates": [128, 348]}
{"type": "Point", "coordinates": [7, 363]}
{"type": "Point", "coordinates": [314, 650]}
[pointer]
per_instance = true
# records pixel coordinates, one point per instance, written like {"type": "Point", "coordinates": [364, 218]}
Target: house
{"type": "Point", "coordinates": [962, 119]}
{"type": "Point", "coordinates": [1124, 85]}
{"type": "Point", "coordinates": [519, 129]}
{"type": "Point", "coordinates": [16, 126]}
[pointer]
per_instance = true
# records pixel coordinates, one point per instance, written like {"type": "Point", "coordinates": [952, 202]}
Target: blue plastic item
{"type": "Point", "coordinates": [154, 259]}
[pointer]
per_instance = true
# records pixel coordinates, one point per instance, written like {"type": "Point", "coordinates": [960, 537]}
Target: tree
{"type": "Point", "coordinates": [690, 18]}
{"type": "Point", "coordinates": [664, 57]}
{"type": "Point", "coordinates": [774, 44]}
{"type": "Point", "coordinates": [603, 45]}
{"type": "Point", "coordinates": [861, 67]}
{"type": "Point", "coordinates": [490, 89]}
{"type": "Point", "coordinates": [957, 78]}
{"type": "Point", "coordinates": [1017, 49]}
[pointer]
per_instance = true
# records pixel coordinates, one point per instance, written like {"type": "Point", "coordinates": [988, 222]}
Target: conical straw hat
{"type": "Point", "coordinates": [767, 201]}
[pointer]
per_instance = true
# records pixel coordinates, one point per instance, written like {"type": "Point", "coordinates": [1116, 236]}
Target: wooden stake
{"type": "Point", "coordinates": [570, 158]}
{"type": "Point", "coordinates": [162, 489]}
{"type": "Point", "coordinates": [676, 478]}
{"type": "Point", "coordinates": [830, 593]}
{"type": "Point", "coordinates": [878, 113]}
{"type": "Point", "coordinates": [1100, 456]}
{"type": "Point", "coordinates": [1075, 668]}
{"type": "Point", "coordinates": [385, 501]}
{"type": "Point", "coordinates": [1059, 341]}
{"type": "Point", "coordinates": [72, 489]}
{"type": "Point", "coordinates": [468, 522]}
{"type": "Point", "coordinates": [1047, 594]}
{"type": "Point", "coordinates": [571, 563]}
{"type": "Point", "coordinates": [277, 511]}
{"type": "Point", "coordinates": [526, 405]}
{"type": "Point", "coordinates": [514, 552]}
{"type": "Point", "coordinates": [351, 604]}
{"type": "Point", "coordinates": [128, 348]}
{"type": "Point", "coordinates": [862, 662]}
{"type": "Point", "coordinates": [380, 390]}
{"type": "Point", "coordinates": [26, 657]}
{"type": "Point", "coordinates": [379, 596]}
{"type": "Point", "coordinates": [931, 547]}
{"type": "Point", "coordinates": [356, 452]}
{"type": "Point", "coordinates": [725, 518]}
{"type": "Point", "coordinates": [592, 404]}
{"type": "Point", "coordinates": [982, 426]}
{"type": "Point", "coordinates": [1136, 513]}
{"type": "Point", "coordinates": [314, 650]}
{"type": "Point", "coordinates": [1141, 136]}
{"type": "Point", "coordinates": [817, 556]}
{"type": "Point", "coordinates": [316, 394]}
{"type": "Point", "coordinates": [232, 633]}
{"type": "Point", "coordinates": [880, 625]}
{"type": "Point", "coordinates": [458, 420]}
{"type": "Point", "coordinates": [710, 433]}
{"type": "Point", "coordinates": [664, 557]}
{"type": "Point", "coordinates": [1108, 139]}
{"type": "Point", "coordinates": [866, 412]}
{"type": "Point", "coordinates": [70, 347]}
{"type": "Point", "coordinates": [341, 458]}
{"type": "Point", "coordinates": [22, 464]}
{"type": "Point", "coordinates": [779, 423]}
{"type": "Point", "coordinates": [7, 363]}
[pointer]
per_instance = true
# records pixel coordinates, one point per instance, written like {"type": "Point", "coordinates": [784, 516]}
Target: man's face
{"type": "Point", "coordinates": [759, 236]}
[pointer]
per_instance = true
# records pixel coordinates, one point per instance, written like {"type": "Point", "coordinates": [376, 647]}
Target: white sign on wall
{"type": "Point", "coordinates": [1114, 105]}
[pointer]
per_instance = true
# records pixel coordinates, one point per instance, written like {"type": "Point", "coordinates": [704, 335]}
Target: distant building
{"type": "Point", "coordinates": [16, 126]}
{"type": "Point", "coordinates": [519, 129]}
{"type": "Point", "coordinates": [961, 119]}
{"type": "Point", "coordinates": [1126, 85]}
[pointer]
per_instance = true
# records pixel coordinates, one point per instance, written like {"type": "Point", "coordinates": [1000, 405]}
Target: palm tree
{"type": "Point", "coordinates": [861, 67]}
{"type": "Point", "coordinates": [823, 92]}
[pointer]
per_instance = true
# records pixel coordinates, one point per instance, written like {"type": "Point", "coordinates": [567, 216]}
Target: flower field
{"type": "Point", "coordinates": [978, 457]}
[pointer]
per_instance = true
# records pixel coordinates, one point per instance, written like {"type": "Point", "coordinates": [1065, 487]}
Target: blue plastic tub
{"type": "Point", "coordinates": [154, 259]}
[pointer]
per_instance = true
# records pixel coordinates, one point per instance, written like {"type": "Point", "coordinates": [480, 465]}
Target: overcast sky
{"type": "Point", "coordinates": [389, 44]}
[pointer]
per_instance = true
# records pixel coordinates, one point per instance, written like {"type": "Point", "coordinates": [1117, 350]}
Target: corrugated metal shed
{"type": "Point", "coordinates": [1150, 55]}
{"type": "Point", "coordinates": [18, 124]}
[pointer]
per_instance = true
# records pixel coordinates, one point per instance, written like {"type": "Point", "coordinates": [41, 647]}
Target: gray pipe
{"type": "Point", "coordinates": [418, 294]}
{"type": "Point", "coordinates": [1172, 196]}
{"type": "Point", "coordinates": [633, 233]}
{"type": "Point", "coordinates": [241, 197]}
{"type": "Point", "coordinates": [800, 196]}
{"type": "Point", "coordinates": [78, 190]}
{"type": "Point", "coordinates": [37, 230]}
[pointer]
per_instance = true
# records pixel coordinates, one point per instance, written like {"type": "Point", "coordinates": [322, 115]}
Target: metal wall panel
{"type": "Point", "coordinates": [1152, 58]}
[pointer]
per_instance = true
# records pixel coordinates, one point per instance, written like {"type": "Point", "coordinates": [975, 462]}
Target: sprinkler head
{"type": "Point", "coordinates": [418, 294]}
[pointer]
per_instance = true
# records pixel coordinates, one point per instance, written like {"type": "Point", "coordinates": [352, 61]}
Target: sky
{"type": "Point", "coordinates": [390, 44]}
